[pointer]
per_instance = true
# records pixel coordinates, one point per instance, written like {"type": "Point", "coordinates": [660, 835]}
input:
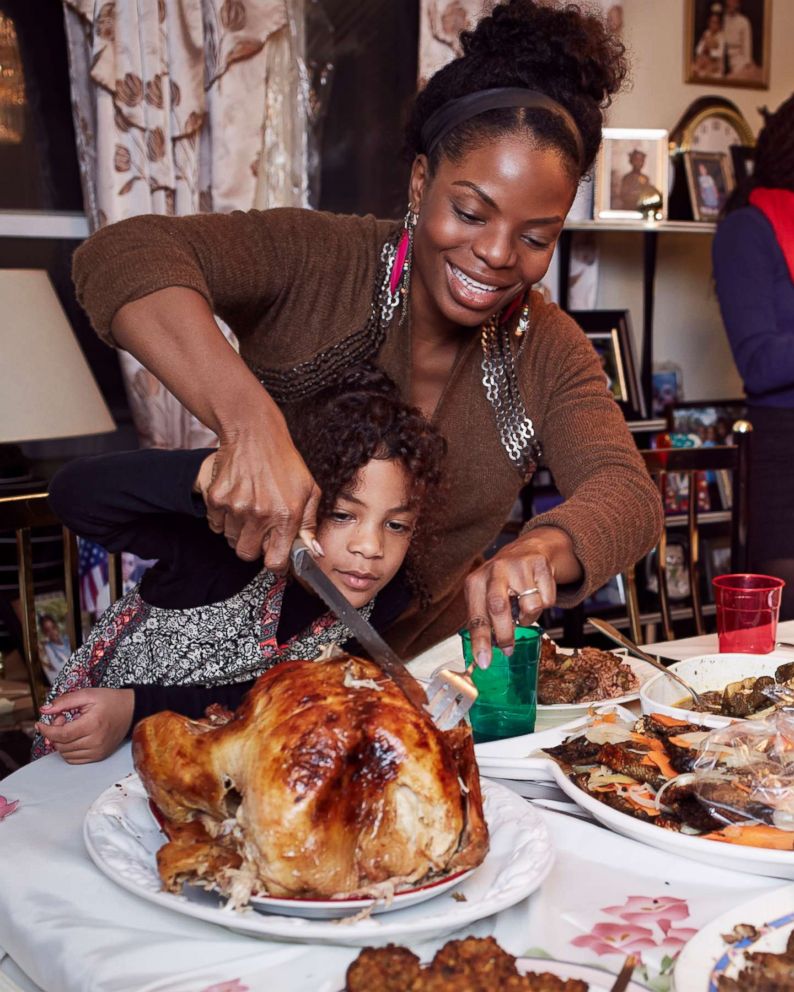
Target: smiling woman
{"type": "Point", "coordinates": [499, 139]}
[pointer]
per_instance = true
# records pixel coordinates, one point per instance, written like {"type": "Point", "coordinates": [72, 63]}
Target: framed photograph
{"type": "Point", "coordinates": [743, 161]}
{"type": "Point", "coordinates": [710, 420]}
{"type": "Point", "coordinates": [667, 388]}
{"type": "Point", "coordinates": [54, 644]}
{"type": "Point", "coordinates": [611, 336]}
{"type": "Point", "coordinates": [727, 43]}
{"type": "Point", "coordinates": [710, 179]}
{"type": "Point", "coordinates": [631, 174]}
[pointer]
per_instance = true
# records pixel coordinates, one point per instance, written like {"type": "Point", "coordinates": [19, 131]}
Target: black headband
{"type": "Point", "coordinates": [454, 112]}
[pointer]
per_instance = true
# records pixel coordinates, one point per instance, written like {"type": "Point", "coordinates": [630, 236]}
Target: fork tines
{"type": "Point", "coordinates": [449, 697]}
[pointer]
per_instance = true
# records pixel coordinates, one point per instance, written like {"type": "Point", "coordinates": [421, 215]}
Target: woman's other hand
{"type": "Point", "coordinates": [527, 570]}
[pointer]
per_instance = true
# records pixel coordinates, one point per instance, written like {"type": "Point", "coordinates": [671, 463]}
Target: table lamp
{"type": "Point", "coordinates": [46, 387]}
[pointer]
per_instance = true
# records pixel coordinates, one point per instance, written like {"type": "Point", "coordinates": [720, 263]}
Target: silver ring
{"type": "Point", "coordinates": [527, 592]}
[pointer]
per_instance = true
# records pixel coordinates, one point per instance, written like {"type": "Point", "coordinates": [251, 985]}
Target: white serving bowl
{"type": "Point", "coordinates": [705, 673]}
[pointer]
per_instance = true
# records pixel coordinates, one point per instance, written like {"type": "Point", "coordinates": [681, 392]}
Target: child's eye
{"type": "Point", "coordinates": [398, 527]}
{"type": "Point", "coordinates": [340, 516]}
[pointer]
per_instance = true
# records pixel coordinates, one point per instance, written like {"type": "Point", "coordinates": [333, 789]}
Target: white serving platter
{"type": "Point", "coordinates": [122, 838]}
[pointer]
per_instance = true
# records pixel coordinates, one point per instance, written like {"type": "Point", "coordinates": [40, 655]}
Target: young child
{"type": "Point", "coordinates": [203, 624]}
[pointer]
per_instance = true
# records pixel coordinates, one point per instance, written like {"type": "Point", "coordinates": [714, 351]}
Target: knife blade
{"type": "Point", "coordinates": [306, 568]}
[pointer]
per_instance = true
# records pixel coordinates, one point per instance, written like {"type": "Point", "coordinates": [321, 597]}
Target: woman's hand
{"type": "Point", "coordinates": [260, 495]}
{"type": "Point", "coordinates": [528, 570]}
{"type": "Point", "coordinates": [103, 720]}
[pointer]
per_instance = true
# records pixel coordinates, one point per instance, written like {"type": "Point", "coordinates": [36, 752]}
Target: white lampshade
{"type": "Point", "coordinates": [46, 387]}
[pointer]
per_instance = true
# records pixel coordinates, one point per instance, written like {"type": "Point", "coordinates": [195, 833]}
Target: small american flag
{"type": "Point", "coordinates": [93, 569]}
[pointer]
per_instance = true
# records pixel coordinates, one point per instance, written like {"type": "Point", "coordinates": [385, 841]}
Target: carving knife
{"type": "Point", "coordinates": [305, 567]}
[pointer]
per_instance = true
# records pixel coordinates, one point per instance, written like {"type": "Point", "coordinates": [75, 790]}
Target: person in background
{"type": "Point", "coordinates": [499, 140]}
{"type": "Point", "coordinates": [738, 34]}
{"type": "Point", "coordinates": [753, 258]}
{"type": "Point", "coordinates": [203, 624]}
{"type": "Point", "coordinates": [710, 50]}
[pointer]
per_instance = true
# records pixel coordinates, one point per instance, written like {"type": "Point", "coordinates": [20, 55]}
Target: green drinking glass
{"type": "Point", "coordinates": [508, 688]}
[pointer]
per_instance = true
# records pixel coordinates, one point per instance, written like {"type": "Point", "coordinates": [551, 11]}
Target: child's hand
{"type": "Point", "coordinates": [104, 719]}
{"type": "Point", "coordinates": [206, 474]}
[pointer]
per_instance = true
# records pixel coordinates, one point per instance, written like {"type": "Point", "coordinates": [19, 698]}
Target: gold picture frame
{"type": "Point", "coordinates": [727, 43]}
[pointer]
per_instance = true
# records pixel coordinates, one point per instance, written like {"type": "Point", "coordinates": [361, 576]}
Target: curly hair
{"type": "Point", "coordinates": [773, 166]}
{"type": "Point", "coordinates": [339, 430]}
{"type": "Point", "coordinates": [565, 52]}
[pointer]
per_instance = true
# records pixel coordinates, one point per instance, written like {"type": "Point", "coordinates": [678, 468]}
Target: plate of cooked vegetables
{"type": "Point", "coordinates": [724, 796]}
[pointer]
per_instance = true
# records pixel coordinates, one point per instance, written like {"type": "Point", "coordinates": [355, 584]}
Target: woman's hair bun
{"type": "Point", "coordinates": [566, 52]}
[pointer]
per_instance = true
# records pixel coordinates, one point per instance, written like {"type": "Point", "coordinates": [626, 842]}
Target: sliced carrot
{"type": "Point", "coordinates": [755, 835]}
{"type": "Point", "coordinates": [668, 721]}
{"type": "Point", "coordinates": [680, 742]}
{"type": "Point", "coordinates": [662, 762]}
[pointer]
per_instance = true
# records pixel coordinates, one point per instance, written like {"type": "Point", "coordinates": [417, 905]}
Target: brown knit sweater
{"type": "Point", "coordinates": [292, 282]}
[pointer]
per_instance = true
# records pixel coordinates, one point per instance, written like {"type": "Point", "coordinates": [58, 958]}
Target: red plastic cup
{"type": "Point", "coordinates": [747, 610]}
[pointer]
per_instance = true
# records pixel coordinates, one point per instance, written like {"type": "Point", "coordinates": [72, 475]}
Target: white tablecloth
{"type": "Point", "coordinates": [70, 929]}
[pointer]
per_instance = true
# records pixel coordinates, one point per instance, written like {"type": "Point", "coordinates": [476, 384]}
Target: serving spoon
{"type": "Point", "coordinates": [615, 635]}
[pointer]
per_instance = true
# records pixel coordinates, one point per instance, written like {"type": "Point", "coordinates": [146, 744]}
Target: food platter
{"type": "Point", "coordinates": [516, 759]}
{"type": "Point", "coordinates": [708, 955]}
{"type": "Point", "coordinates": [122, 839]}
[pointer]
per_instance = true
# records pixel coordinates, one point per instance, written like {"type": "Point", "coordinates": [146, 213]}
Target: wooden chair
{"type": "Point", "coordinates": [22, 514]}
{"type": "Point", "coordinates": [661, 462]}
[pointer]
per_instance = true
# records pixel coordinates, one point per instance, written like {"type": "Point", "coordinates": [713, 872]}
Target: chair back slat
{"type": "Point", "coordinates": [22, 514]}
{"type": "Point", "coordinates": [36, 677]}
{"type": "Point", "coordinates": [661, 462]}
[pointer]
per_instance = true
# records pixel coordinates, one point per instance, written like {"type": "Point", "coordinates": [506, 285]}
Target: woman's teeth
{"type": "Point", "coordinates": [480, 287]}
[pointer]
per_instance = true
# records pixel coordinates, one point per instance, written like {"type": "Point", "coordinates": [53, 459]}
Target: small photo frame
{"type": "Point", "coordinates": [710, 181]}
{"type": "Point", "coordinates": [631, 174]}
{"type": "Point", "coordinates": [727, 42]}
{"type": "Point", "coordinates": [710, 420]}
{"type": "Point", "coordinates": [609, 332]}
{"type": "Point", "coordinates": [667, 388]}
{"type": "Point", "coordinates": [55, 647]}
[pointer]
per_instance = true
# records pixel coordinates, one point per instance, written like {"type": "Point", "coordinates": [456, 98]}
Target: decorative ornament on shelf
{"type": "Point", "coordinates": [12, 85]}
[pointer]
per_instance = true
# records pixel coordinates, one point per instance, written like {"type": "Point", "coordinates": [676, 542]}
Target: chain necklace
{"type": "Point", "coordinates": [500, 379]}
{"type": "Point", "coordinates": [516, 430]}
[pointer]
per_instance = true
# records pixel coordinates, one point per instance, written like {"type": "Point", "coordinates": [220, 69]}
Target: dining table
{"type": "Point", "coordinates": [67, 927]}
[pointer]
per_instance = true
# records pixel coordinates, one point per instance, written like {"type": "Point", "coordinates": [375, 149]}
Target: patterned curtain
{"type": "Point", "coordinates": [183, 106]}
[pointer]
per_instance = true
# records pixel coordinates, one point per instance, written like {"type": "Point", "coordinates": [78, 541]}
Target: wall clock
{"type": "Point", "coordinates": [710, 124]}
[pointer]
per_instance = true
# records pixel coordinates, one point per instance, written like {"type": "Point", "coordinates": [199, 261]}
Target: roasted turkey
{"type": "Point", "coordinates": [325, 783]}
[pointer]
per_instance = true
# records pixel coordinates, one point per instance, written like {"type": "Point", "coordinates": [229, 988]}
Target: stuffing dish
{"type": "Point", "coordinates": [475, 964]}
{"type": "Point", "coordinates": [747, 697]}
{"type": "Point", "coordinates": [734, 785]}
{"type": "Point", "coordinates": [762, 971]}
{"type": "Point", "coordinates": [586, 676]}
{"type": "Point", "coordinates": [326, 783]}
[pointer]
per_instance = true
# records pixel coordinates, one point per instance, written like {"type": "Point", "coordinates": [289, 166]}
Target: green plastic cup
{"type": "Point", "coordinates": [508, 688]}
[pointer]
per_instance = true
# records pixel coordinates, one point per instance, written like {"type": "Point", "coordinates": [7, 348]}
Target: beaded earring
{"type": "Point", "coordinates": [401, 269]}
{"type": "Point", "coordinates": [523, 320]}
